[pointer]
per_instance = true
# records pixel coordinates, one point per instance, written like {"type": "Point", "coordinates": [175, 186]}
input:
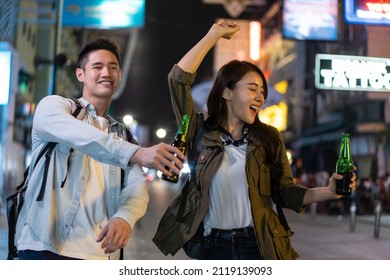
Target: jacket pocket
{"type": "Point", "coordinates": [281, 240]}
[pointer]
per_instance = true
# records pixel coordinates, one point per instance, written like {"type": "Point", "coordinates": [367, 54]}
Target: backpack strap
{"type": "Point", "coordinates": [128, 136]}
{"type": "Point", "coordinates": [125, 134]}
{"type": "Point", "coordinates": [50, 147]}
{"type": "Point", "coordinates": [79, 107]}
{"type": "Point", "coordinates": [49, 150]}
{"type": "Point", "coordinates": [12, 213]}
{"type": "Point", "coordinates": [75, 114]}
{"type": "Point", "coordinates": [16, 202]}
{"type": "Point", "coordinates": [282, 217]}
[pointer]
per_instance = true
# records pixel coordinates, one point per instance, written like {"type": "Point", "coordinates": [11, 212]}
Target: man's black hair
{"type": "Point", "coordinates": [99, 44]}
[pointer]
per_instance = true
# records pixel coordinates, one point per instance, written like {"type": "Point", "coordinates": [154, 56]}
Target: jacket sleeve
{"type": "Point", "coordinates": [53, 122]}
{"type": "Point", "coordinates": [291, 194]}
{"type": "Point", "coordinates": [180, 83]}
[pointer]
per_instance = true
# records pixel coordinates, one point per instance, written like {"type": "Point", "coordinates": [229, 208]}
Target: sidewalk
{"type": "Point", "coordinates": [327, 237]}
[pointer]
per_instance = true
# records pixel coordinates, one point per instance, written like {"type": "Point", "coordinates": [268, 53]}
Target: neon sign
{"type": "Point", "coordinates": [5, 77]}
{"type": "Point", "coordinates": [367, 12]}
{"type": "Point", "coordinates": [310, 20]}
{"type": "Point", "coordinates": [104, 14]}
{"type": "Point", "coordinates": [340, 72]}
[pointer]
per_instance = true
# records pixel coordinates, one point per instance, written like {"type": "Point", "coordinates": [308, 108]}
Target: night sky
{"type": "Point", "coordinates": [171, 28]}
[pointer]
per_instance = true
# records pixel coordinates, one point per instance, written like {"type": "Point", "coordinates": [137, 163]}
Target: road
{"type": "Point", "coordinates": [317, 237]}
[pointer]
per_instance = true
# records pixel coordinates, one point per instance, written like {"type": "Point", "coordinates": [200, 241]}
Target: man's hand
{"type": "Point", "coordinates": [114, 235]}
{"type": "Point", "coordinates": [159, 156]}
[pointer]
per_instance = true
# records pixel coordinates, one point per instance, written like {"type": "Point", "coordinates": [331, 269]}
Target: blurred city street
{"type": "Point", "coordinates": [317, 237]}
{"type": "Point", "coordinates": [326, 67]}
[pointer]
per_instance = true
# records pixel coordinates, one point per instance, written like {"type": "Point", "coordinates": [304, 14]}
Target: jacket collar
{"type": "Point", "coordinates": [227, 139]}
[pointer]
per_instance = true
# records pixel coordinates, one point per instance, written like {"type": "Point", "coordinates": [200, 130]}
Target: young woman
{"type": "Point", "coordinates": [241, 166]}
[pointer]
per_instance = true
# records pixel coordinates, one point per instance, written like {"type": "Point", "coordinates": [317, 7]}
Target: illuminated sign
{"type": "Point", "coordinates": [5, 77]}
{"type": "Point", "coordinates": [341, 72]}
{"type": "Point", "coordinates": [310, 19]}
{"type": "Point", "coordinates": [275, 115]}
{"type": "Point", "coordinates": [254, 40]}
{"type": "Point", "coordinates": [367, 12]}
{"type": "Point", "coordinates": [104, 14]}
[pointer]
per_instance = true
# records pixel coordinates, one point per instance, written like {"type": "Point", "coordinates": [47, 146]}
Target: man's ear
{"type": "Point", "coordinates": [80, 74]}
{"type": "Point", "coordinates": [227, 94]}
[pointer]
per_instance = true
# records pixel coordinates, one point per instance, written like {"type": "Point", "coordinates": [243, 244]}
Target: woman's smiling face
{"type": "Point", "coordinates": [246, 98]}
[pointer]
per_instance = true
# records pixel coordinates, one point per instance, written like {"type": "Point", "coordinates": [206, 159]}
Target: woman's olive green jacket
{"type": "Point", "coordinates": [273, 240]}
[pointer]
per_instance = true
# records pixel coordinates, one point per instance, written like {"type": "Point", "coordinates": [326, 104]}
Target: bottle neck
{"type": "Point", "coordinates": [180, 137]}
{"type": "Point", "coordinates": [182, 131]}
{"type": "Point", "coordinates": [345, 149]}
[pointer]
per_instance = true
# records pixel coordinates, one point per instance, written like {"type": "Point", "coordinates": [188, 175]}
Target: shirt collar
{"type": "Point", "coordinates": [113, 124]}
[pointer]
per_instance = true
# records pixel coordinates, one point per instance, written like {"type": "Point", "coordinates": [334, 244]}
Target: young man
{"type": "Point", "coordinates": [86, 209]}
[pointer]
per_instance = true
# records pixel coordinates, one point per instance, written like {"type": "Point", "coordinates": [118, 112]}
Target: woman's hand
{"type": "Point", "coordinates": [327, 193]}
{"type": "Point", "coordinates": [224, 29]}
{"type": "Point", "coordinates": [335, 177]}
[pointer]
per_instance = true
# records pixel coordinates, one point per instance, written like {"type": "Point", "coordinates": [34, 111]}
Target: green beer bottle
{"type": "Point", "coordinates": [179, 141]}
{"type": "Point", "coordinates": [344, 166]}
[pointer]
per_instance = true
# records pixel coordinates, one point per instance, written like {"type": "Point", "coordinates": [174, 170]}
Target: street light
{"type": "Point", "coordinates": [161, 133]}
{"type": "Point", "coordinates": [128, 120]}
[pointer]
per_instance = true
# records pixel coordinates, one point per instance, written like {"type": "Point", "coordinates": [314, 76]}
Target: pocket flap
{"type": "Point", "coordinates": [279, 231]}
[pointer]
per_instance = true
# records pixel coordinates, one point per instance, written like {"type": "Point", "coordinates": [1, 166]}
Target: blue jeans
{"type": "Point", "coordinates": [41, 255]}
{"type": "Point", "coordinates": [234, 244]}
